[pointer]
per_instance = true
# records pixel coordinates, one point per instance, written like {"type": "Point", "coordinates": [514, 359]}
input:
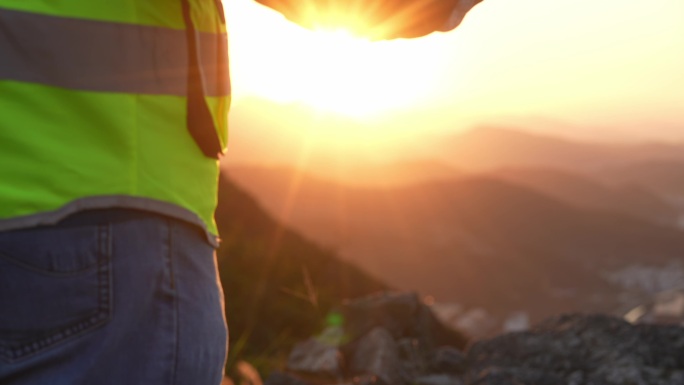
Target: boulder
{"type": "Point", "coordinates": [513, 376]}
{"type": "Point", "coordinates": [448, 360]}
{"type": "Point", "coordinates": [366, 379]}
{"type": "Point", "coordinates": [413, 357]}
{"type": "Point", "coordinates": [581, 349]}
{"type": "Point", "coordinates": [402, 314]}
{"type": "Point", "coordinates": [391, 339]}
{"type": "Point", "coordinates": [377, 354]}
{"type": "Point", "coordinates": [315, 357]}
{"type": "Point", "coordinates": [438, 379]}
{"type": "Point", "coordinates": [280, 378]}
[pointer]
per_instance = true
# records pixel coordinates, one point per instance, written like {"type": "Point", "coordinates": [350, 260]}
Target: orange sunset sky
{"type": "Point", "coordinates": [603, 70]}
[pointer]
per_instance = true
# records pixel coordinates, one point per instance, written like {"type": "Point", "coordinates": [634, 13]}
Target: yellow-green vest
{"type": "Point", "coordinates": [96, 100]}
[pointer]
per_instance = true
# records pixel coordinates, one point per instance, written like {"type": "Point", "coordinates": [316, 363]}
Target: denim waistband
{"type": "Point", "coordinates": [113, 215]}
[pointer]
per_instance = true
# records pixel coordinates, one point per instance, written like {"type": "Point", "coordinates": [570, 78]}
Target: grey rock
{"type": "Point", "coordinates": [564, 350]}
{"type": "Point", "coordinates": [364, 380]}
{"type": "Point", "coordinates": [377, 354]}
{"type": "Point", "coordinates": [576, 378]}
{"type": "Point", "coordinates": [438, 379]}
{"type": "Point", "coordinates": [403, 314]}
{"type": "Point", "coordinates": [413, 357]}
{"type": "Point", "coordinates": [448, 359]}
{"type": "Point", "coordinates": [396, 312]}
{"type": "Point", "coordinates": [409, 349]}
{"type": "Point", "coordinates": [280, 378]}
{"type": "Point", "coordinates": [580, 349]}
{"type": "Point", "coordinates": [314, 356]}
{"type": "Point", "coordinates": [514, 376]}
{"type": "Point", "coordinates": [674, 378]}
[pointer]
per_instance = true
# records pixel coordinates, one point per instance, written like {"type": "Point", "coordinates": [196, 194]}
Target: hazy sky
{"type": "Point", "coordinates": [606, 69]}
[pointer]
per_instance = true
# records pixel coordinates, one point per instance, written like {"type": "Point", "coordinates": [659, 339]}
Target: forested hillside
{"type": "Point", "coordinates": [278, 285]}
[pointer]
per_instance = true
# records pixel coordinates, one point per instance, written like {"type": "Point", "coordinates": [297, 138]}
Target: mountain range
{"type": "Point", "coordinates": [541, 231]}
{"type": "Point", "coordinates": [488, 148]}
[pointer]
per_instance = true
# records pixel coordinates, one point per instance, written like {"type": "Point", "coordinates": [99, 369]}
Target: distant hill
{"type": "Point", "coordinates": [478, 241]}
{"type": "Point", "coordinates": [365, 174]}
{"type": "Point", "coordinates": [666, 178]}
{"type": "Point", "coordinates": [490, 148]}
{"type": "Point", "coordinates": [279, 285]}
{"type": "Point", "coordinates": [585, 192]}
{"type": "Point", "coordinates": [371, 174]}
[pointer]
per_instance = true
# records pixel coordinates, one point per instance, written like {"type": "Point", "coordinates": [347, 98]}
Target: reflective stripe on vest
{"type": "Point", "coordinates": [110, 57]}
{"type": "Point", "coordinates": [93, 108]}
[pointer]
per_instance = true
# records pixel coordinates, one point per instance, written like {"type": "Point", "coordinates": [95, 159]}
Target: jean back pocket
{"type": "Point", "coordinates": [54, 286]}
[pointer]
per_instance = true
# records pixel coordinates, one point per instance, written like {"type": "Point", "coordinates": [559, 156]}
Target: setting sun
{"type": "Point", "coordinates": [331, 70]}
{"type": "Point", "coordinates": [346, 74]}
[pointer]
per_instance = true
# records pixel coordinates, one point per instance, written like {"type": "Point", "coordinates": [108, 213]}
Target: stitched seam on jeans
{"type": "Point", "coordinates": [38, 270]}
{"type": "Point", "coordinates": [174, 298]}
{"type": "Point", "coordinates": [26, 349]}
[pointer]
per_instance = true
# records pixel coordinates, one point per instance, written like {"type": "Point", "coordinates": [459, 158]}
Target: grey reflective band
{"type": "Point", "coordinates": [108, 57]}
{"type": "Point", "coordinates": [106, 202]}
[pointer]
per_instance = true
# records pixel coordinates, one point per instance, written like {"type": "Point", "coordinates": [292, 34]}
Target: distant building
{"type": "Point", "coordinates": [666, 308]}
{"type": "Point", "coordinates": [517, 322]}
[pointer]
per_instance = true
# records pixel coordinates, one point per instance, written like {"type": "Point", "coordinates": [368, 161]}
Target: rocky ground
{"type": "Point", "coordinates": [394, 339]}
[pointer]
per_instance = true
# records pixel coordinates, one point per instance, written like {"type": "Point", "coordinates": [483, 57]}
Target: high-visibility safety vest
{"type": "Point", "coordinates": [111, 103]}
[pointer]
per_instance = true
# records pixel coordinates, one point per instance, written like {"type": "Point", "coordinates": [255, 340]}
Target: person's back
{"type": "Point", "coordinates": [112, 116]}
{"type": "Point", "coordinates": [107, 273]}
{"type": "Point", "coordinates": [94, 101]}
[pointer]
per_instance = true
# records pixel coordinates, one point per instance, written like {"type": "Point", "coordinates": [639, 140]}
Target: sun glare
{"type": "Point", "coordinates": [339, 77]}
{"type": "Point", "coordinates": [328, 69]}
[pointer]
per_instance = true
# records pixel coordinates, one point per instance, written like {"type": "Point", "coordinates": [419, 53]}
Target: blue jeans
{"type": "Point", "coordinates": [110, 297]}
